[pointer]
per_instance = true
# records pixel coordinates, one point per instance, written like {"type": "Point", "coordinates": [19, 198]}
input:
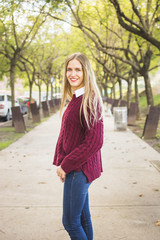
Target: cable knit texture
{"type": "Point", "coordinates": [78, 147]}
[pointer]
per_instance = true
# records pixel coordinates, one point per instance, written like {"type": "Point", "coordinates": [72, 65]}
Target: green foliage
{"type": "Point", "coordinates": [8, 129]}
{"type": "Point", "coordinates": [8, 136]}
{"type": "Point", "coordinates": [55, 40]}
{"type": "Point", "coordinates": [54, 3]}
{"type": "Point", "coordinates": [5, 144]}
{"type": "Point", "coordinates": [143, 101]}
{"type": "Point", "coordinates": [157, 100]}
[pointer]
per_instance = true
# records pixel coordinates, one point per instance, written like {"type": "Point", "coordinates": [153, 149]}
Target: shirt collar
{"type": "Point", "coordinates": [80, 92]}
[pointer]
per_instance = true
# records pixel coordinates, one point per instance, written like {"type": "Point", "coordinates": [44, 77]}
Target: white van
{"type": "Point", "coordinates": [5, 106]}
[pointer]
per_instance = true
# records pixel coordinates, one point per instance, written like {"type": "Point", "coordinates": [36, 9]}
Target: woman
{"type": "Point", "coordinates": [78, 148]}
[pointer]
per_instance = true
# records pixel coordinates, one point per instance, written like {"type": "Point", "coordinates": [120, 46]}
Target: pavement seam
{"type": "Point", "coordinates": [91, 206]}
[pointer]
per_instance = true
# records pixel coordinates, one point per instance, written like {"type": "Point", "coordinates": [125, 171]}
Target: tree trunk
{"type": "Point", "coordinates": [137, 97]}
{"type": "Point", "coordinates": [39, 88]}
{"type": "Point", "coordinates": [120, 89]}
{"type": "Point", "coordinates": [51, 91]}
{"type": "Point", "coordinates": [106, 92]}
{"type": "Point", "coordinates": [30, 99]}
{"type": "Point", "coordinates": [30, 92]}
{"type": "Point", "coordinates": [129, 95]}
{"type": "Point", "coordinates": [56, 87]}
{"type": "Point", "coordinates": [114, 90]}
{"type": "Point", "coordinates": [111, 94]}
{"type": "Point", "coordinates": [12, 82]}
{"type": "Point", "coordinates": [47, 88]}
{"type": "Point", "coordinates": [148, 88]}
{"type": "Point", "coordinates": [105, 86]}
{"type": "Point", "coordinates": [101, 90]}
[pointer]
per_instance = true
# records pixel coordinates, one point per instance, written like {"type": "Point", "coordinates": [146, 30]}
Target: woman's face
{"type": "Point", "coordinates": [75, 74]}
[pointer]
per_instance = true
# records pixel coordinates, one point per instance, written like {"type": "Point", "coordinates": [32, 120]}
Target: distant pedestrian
{"type": "Point", "coordinates": [78, 147]}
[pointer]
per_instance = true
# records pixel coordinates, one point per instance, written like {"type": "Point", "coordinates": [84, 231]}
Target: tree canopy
{"type": "Point", "coordinates": [121, 42]}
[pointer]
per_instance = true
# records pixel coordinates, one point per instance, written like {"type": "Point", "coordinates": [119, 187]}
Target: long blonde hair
{"type": "Point", "coordinates": [92, 98]}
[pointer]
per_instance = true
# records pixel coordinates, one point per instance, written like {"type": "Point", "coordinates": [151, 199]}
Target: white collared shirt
{"type": "Point", "coordinates": [80, 92]}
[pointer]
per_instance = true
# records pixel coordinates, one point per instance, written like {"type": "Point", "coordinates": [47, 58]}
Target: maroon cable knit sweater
{"type": "Point", "coordinates": [78, 147]}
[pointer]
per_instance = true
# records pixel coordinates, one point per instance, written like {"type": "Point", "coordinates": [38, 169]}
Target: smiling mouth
{"type": "Point", "coordinates": [74, 80]}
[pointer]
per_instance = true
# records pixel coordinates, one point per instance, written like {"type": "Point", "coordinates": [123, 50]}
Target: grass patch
{"type": "Point", "coordinates": [7, 129]}
{"type": "Point", "coordinates": [5, 144]}
{"type": "Point", "coordinates": [157, 99]}
{"type": "Point", "coordinates": [138, 128]}
{"type": "Point", "coordinates": [44, 119]}
{"type": "Point", "coordinates": [143, 102]}
{"type": "Point", "coordinates": [8, 135]}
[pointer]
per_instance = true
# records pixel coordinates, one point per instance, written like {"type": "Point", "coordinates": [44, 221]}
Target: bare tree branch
{"type": "Point", "coordinates": [14, 31]}
{"type": "Point", "coordinates": [153, 19]}
{"type": "Point", "coordinates": [137, 13]}
{"type": "Point", "coordinates": [132, 26]}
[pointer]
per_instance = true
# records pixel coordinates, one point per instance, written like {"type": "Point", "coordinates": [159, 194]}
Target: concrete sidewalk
{"type": "Point", "coordinates": [125, 200]}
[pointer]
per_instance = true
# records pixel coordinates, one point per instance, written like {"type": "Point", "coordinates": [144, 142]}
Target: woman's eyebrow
{"type": "Point", "coordinates": [68, 68]}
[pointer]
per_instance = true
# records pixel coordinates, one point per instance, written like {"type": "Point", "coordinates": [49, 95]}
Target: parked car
{"type": "Point", "coordinates": [26, 100]}
{"type": "Point", "coordinates": [5, 106]}
{"type": "Point", "coordinates": [57, 95]}
{"type": "Point", "coordinates": [23, 105]}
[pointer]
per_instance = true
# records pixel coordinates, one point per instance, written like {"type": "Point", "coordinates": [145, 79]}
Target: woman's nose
{"type": "Point", "coordinates": [73, 73]}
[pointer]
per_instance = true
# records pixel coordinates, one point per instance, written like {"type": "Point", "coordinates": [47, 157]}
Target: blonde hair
{"type": "Point", "coordinates": [91, 100]}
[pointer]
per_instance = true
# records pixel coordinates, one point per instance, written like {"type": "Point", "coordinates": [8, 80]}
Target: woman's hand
{"type": "Point", "coordinates": [61, 174]}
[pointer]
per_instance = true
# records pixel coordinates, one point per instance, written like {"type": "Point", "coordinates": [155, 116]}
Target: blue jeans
{"type": "Point", "coordinates": [76, 214]}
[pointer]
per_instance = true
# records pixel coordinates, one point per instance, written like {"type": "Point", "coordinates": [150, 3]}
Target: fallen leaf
{"type": "Point", "coordinates": [141, 195]}
{"type": "Point", "coordinates": [156, 189]}
{"type": "Point", "coordinates": [2, 231]}
{"type": "Point", "coordinates": [158, 223]}
{"type": "Point", "coordinates": [42, 183]}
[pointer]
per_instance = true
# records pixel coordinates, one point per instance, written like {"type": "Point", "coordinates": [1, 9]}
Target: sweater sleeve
{"type": "Point", "coordinates": [59, 152]}
{"type": "Point", "coordinates": [93, 141]}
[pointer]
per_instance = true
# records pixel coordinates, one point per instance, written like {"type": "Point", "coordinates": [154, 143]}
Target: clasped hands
{"type": "Point", "coordinates": [61, 174]}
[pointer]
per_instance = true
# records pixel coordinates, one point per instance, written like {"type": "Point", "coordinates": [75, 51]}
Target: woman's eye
{"type": "Point", "coordinates": [69, 69]}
